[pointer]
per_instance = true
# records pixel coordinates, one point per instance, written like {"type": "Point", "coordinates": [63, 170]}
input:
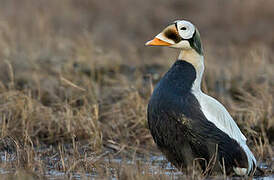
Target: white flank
{"type": "Point", "coordinates": [240, 171]}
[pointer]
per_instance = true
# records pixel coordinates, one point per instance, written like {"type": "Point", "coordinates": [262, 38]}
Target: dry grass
{"type": "Point", "coordinates": [75, 79]}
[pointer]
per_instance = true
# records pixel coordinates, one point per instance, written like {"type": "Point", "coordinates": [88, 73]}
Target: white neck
{"type": "Point", "coordinates": [197, 61]}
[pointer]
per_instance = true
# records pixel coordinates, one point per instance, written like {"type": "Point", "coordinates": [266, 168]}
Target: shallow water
{"type": "Point", "coordinates": [157, 164]}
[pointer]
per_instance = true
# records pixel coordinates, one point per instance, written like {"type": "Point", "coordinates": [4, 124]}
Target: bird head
{"type": "Point", "coordinates": [180, 34]}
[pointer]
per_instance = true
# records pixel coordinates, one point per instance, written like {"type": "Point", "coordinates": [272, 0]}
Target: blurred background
{"type": "Point", "coordinates": [78, 69]}
{"type": "Point", "coordinates": [123, 26]}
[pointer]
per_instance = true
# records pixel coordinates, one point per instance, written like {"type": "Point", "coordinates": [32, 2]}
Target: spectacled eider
{"type": "Point", "coordinates": [187, 124]}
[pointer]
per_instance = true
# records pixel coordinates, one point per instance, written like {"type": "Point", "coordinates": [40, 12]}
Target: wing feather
{"type": "Point", "coordinates": [217, 114]}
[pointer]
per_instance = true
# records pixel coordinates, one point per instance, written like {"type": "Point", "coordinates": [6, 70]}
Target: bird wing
{"type": "Point", "coordinates": [216, 113]}
{"type": "Point", "coordinates": [203, 134]}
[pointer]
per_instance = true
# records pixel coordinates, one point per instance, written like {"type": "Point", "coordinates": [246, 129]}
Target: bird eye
{"type": "Point", "coordinates": [183, 28]}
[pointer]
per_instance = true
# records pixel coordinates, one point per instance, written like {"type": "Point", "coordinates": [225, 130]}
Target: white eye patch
{"type": "Point", "coordinates": [185, 29]}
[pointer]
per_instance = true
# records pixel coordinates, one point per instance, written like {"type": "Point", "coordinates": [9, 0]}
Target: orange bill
{"type": "Point", "coordinates": [157, 42]}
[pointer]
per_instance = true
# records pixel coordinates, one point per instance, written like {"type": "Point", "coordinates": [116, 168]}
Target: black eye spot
{"type": "Point", "coordinates": [183, 28]}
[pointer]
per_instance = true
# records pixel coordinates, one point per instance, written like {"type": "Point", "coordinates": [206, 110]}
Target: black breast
{"type": "Point", "coordinates": [179, 127]}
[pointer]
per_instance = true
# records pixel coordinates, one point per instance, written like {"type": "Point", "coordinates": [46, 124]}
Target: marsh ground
{"type": "Point", "coordinates": [75, 79]}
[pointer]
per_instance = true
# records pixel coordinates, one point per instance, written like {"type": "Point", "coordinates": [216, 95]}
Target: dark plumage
{"type": "Point", "coordinates": [179, 127]}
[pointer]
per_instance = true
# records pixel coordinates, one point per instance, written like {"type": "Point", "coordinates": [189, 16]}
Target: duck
{"type": "Point", "coordinates": [186, 124]}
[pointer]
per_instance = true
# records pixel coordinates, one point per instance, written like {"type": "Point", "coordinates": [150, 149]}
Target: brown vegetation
{"type": "Point", "coordinates": [75, 79]}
